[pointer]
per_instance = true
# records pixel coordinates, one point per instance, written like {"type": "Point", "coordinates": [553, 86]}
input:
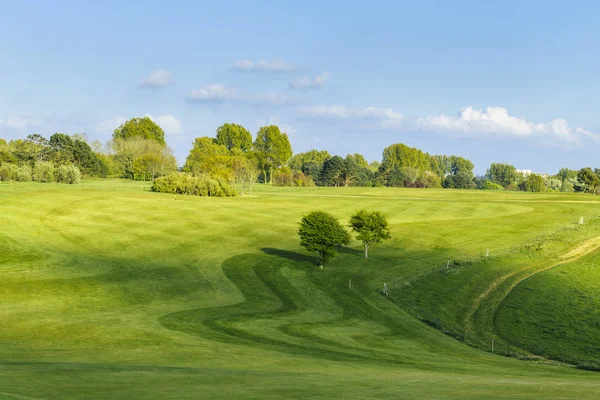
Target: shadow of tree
{"type": "Point", "coordinates": [290, 255]}
{"type": "Point", "coordinates": [350, 250]}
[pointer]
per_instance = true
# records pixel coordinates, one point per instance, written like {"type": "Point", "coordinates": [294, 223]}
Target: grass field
{"type": "Point", "coordinates": [109, 291]}
{"type": "Point", "coordinates": [557, 313]}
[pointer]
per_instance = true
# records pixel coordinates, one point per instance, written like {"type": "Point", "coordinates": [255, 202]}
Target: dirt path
{"type": "Point", "coordinates": [583, 249]}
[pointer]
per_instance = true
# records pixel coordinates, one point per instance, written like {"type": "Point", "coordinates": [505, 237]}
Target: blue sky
{"type": "Point", "coordinates": [513, 82]}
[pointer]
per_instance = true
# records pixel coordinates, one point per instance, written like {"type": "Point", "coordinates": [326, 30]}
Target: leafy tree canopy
{"type": "Point", "coordinates": [272, 149]}
{"type": "Point", "coordinates": [322, 232]}
{"type": "Point", "coordinates": [140, 128]}
{"type": "Point", "coordinates": [502, 174]}
{"type": "Point", "coordinates": [234, 136]}
{"type": "Point", "coordinates": [371, 228]}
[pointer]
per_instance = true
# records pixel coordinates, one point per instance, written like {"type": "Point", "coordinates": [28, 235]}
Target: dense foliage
{"type": "Point", "coordinates": [138, 151]}
{"type": "Point", "coordinates": [322, 232]}
{"type": "Point", "coordinates": [184, 183]}
{"type": "Point", "coordinates": [43, 171]}
{"type": "Point", "coordinates": [370, 227]}
{"type": "Point", "coordinates": [140, 128]}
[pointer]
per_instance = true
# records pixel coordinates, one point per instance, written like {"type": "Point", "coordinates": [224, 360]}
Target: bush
{"type": "Point", "coordinates": [294, 178]}
{"type": "Point", "coordinates": [43, 171]}
{"type": "Point", "coordinates": [8, 171]}
{"type": "Point", "coordinates": [489, 185]}
{"type": "Point", "coordinates": [553, 184]}
{"type": "Point", "coordinates": [431, 179]}
{"type": "Point", "coordinates": [185, 183]}
{"type": "Point", "coordinates": [68, 174]}
{"type": "Point", "coordinates": [23, 174]}
{"type": "Point", "coordinates": [567, 186]}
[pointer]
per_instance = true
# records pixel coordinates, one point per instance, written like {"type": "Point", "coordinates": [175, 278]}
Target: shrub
{"type": "Point", "coordinates": [68, 174]}
{"type": "Point", "coordinates": [293, 178]}
{"type": "Point", "coordinates": [553, 184]}
{"type": "Point", "coordinates": [185, 183]}
{"type": "Point", "coordinates": [489, 185]}
{"type": "Point", "coordinates": [43, 171]}
{"type": "Point", "coordinates": [8, 171]}
{"type": "Point", "coordinates": [23, 174]}
{"type": "Point", "coordinates": [567, 186]}
{"type": "Point", "coordinates": [431, 179]}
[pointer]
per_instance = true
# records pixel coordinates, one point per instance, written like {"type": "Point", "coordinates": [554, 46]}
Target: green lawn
{"type": "Point", "coordinates": [557, 313]}
{"type": "Point", "coordinates": [110, 291]}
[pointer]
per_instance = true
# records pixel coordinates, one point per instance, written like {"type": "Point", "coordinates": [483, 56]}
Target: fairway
{"type": "Point", "coordinates": [110, 291]}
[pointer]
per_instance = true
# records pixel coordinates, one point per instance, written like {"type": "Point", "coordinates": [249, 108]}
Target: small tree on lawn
{"type": "Point", "coordinates": [370, 227]}
{"type": "Point", "coordinates": [322, 232]}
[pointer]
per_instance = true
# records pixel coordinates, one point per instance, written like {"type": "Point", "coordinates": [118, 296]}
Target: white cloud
{"type": "Point", "coordinates": [380, 117]}
{"type": "Point", "coordinates": [156, 79]}
{"type": "Point", "coordinates": [275, 65]}
{"type": "Point", "coordinates": [217, 93]}
{"type": "Point", "coordinates": [213, 93]}
{"type": "Point", "coordinates": [497, 121]}
{"type": "Point", "coordinates": [170, 124]}
{"type": "Point", "coordinates": [309, 82]}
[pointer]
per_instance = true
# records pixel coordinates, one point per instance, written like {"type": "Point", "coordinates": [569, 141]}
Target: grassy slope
{"type": "Point", "coordinates": [109, 291]}
{"type": "Point", "coordinates": [556, 313]}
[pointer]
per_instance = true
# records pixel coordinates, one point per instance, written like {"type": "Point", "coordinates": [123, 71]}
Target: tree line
{"type": "Point", "coordinates": [236, 160]}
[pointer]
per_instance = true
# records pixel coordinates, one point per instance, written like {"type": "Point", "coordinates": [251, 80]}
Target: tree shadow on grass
{"type": "Point", "coordinates": [350, 250]}
{"type": "Point", "coordinates": [289, 255]}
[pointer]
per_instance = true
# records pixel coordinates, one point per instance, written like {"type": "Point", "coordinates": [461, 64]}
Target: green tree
{"type": "Point", "coordinates": [374, 166]}
{"type": "Point", "coordinates": [533, 183]}
{"type": "Point", "coordinates": [272, 149]}
{"type": "Point", "coordinates": [322, 232]}
{"type": "Point", "coordinates": [140, 128]}
{"type": "Point", "coordinates": [128, 152]}
{"type": "Point", "coordinates": [234, 136]}
{"type": "Point", "coordinates": [370, 227]}
{"type": "Point", "coordinates": [565, 174]}
{"type": "Point", "coordinates": [400, 155]}
{"type": "Point", "coordinates": [209, 157]}
{"type": "Point", "coordinates": [333, 172]}
{"type": "Point", "coordinates": [587, 181]}
{"type": "Point", "coordinates": [502, 174]}
{"type": "Point", "coordinates": [356, 171]}
{"type": "Point", "coordinates": [314, 157]}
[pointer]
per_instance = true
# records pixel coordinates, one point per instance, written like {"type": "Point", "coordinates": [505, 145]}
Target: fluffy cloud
{"type": "Point", "coordinates": [217, 93]}
{"type": "Point", "coordinates": [380, 117]}
{"type": "Point", "coordinates": [308, 82]}
{"type": "Point", "coordinates": [170, 124]}
{"type": "Point", "coordinates": [156, 79]}
{"type": "Point", "coordinates": [497, 121]}
{"type": "Point", "coordinates": [275, 65]}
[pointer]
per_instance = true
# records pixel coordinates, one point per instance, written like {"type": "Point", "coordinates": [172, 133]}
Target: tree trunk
{"type": "Point", "coordinates": [320, 259]}
{"type": "Point", "coordinates": [366, 251]}
{"type": "Point", "coordinates": [271, 176]}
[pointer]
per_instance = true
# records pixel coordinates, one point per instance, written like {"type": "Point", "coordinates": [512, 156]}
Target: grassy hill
{"type": "Point", "coordinates": [110, 291]}
{"type": "Point", "coordinates": [557, 313]}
